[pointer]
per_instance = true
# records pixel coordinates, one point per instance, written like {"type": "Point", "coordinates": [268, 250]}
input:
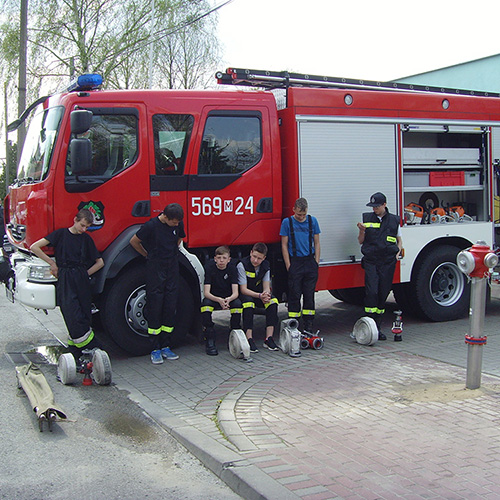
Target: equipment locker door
{"type": "Point", "coordinates": [340, 165]}
{"type": "Point", "coordinates": [495, 157]}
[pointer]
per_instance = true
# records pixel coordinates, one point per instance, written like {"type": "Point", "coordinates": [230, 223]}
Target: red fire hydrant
{"type": "Point", "coordinates": [477, 262]}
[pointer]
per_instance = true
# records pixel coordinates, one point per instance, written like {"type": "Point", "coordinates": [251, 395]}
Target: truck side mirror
{"type": "Point", "coordinates": [80, 120]}
{"type": "Point", "coordinates": [81, 156]}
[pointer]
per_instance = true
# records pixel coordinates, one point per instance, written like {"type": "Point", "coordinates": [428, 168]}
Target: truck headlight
{"type": "Point", "coordinates": [40, 274]}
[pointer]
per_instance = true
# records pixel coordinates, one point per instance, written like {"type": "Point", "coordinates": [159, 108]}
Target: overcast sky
{"type": "Point", "coordinates": [370, 39]}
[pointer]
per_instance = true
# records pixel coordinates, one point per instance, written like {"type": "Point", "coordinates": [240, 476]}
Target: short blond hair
{"type": "Point", "coordinates": [223, 249]}
{"type": "Point", "coordinates": [301, 204]}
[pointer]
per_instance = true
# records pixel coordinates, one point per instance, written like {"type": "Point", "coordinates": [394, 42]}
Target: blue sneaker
{"type": "Point", "coordinates": [156, 357]}
{"type": "Point", "coordinates": [168, 354]}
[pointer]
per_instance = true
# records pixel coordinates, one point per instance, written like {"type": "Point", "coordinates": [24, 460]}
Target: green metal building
{"type": "Point", "coordinates": [481, 74]}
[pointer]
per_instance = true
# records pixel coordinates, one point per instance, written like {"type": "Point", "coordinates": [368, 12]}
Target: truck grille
{"type": "Point", "coordinates": [17, 231]}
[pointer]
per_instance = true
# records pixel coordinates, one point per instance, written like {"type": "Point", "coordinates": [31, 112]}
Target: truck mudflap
{"type": "Point", "coordinates": [31, 284]}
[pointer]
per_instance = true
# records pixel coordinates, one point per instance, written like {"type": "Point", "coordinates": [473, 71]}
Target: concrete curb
{"type": "Point", "coordinates": [242, 477]}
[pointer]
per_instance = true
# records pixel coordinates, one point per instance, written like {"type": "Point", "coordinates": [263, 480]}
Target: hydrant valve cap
{"type": "Point", "coordinates": [491, 260]}
{"type": "Point", "coordinates": [466, 262]}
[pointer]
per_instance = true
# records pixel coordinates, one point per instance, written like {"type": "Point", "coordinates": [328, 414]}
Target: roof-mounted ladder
{"type": "Point", "coordinates": [284, 79]}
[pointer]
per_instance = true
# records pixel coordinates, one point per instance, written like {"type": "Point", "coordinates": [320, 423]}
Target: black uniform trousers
{"type": "Point", "coordinates": [74, 297]}
{"type": "Point", "coordinates": [162, 283]}
{"type": "Point", "coordinates": [378, 283]}
{"type": "Point", "coordinates": [302, 279]}
{"type": "Point", "coordinates": [250, 303]}
{"type": "Point", "coordinates": [208, 306]}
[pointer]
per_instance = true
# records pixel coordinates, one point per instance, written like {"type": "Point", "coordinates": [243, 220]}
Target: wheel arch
{"type": "Point", "coordinates": [120, 256]}
{"type": "Point", "coordinates": [439, 291]}
{"type": "Point", "coordinates": [455, 241]}
{"type": "Point", "coordinates": [122, 305]}
{"type": "Point", "coordinates": [117, 256]}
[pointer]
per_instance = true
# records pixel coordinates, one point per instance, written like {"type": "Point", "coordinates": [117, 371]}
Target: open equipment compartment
{"type": "Point", "coordinates": [447, 164]}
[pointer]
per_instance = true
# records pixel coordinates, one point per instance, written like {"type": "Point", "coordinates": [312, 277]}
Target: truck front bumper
{"type": "Point", "coordinates": [23, 287]}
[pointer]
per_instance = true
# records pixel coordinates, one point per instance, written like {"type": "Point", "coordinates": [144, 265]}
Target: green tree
{"type": "Point", "coordinates": [9, 163]}
{"type": "Point", "coordinates": [69, 37]}
{"type": "Point", "coordinates": [3, 189]}
{"type": "Point", "coordinates": [188, 50]}
{"type": "Point", "coordinates": [123, 41]}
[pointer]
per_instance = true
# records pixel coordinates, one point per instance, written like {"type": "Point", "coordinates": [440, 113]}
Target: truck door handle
{"type": "Point", "coordinates": [141, 209]}
{"type": "Point", "coordinates": [265, 206]}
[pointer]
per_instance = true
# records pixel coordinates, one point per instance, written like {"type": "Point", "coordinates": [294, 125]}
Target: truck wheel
{"type": "Point", "coordinates": [354, 296]}
{"type": "Point", "coordinates": [440, 290]}
{"type": "Point", "coordinates": [337, 294]}
{"type": "Point", "coordinates": [123, 312]}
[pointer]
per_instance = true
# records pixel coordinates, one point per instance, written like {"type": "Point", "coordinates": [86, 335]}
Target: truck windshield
{"type": "Point", "coordinates": [39, 145]}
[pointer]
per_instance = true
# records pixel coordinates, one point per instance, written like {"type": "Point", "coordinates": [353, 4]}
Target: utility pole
{"type": "Point", "coordinates": [151, 43]}
{"type": "Point", "coordinates": [23, 49]}
{"type": "Point", "coordinates": [7, 162]}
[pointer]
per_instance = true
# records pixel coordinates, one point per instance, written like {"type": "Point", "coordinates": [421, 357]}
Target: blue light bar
{"type": "Point", "coordinates": [85, 82]}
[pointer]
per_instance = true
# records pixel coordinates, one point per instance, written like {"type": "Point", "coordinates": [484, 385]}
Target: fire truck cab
{"type": "Point", "coordinates": [125, 155]}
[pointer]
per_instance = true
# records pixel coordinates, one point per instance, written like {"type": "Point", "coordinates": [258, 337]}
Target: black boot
{"type": "Point", "coordinates": [210, 347]}
{"type": "Point", "coordinates": [378, 321]}
{"type": "Point", "coordinates": [308, 325]}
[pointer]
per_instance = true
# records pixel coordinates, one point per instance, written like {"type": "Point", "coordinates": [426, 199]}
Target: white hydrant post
{"type": "Point", "coordinates": [475, 341]}
{"type": "Point", "coordinates": [476, 262]}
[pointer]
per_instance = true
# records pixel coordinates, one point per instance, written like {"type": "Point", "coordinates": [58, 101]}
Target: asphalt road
{"type": "Point", "coordinates": [108, 448]}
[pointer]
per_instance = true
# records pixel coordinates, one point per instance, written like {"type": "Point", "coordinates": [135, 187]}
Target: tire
{"type": "Point", "coordinates": [440, 290]}
{"type": "Point", "coordinates": [354, 296]}
{"type": "Point", "coordinates": [123, 312]}
{"type": "Point", "coordinates": [337, 294]}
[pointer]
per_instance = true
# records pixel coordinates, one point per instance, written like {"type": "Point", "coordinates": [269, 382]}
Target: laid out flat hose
{"type": "Point", "coordinates": [36, 387]}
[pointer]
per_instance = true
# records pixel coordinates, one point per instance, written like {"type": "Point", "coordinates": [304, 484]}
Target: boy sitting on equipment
{"type": "Point", "coordinates": [221, 292]}
{"type": "Point", "coordinates": [254, 278]}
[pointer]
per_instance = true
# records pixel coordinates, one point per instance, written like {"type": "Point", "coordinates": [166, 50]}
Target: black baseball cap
{"type": "Point", "coordinates": [376, 200]}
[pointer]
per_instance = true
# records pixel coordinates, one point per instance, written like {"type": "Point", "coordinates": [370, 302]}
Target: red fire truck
{"type": "Point", "coordinates": [236, 160]}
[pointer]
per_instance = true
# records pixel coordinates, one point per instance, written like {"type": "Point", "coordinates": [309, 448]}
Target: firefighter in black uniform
{"type": "Point", "coordinates": [158, 240]}
{"type": "Point", "coordinates": [381, 245]}
{"type": "Point", "coordinates": [76, 259]}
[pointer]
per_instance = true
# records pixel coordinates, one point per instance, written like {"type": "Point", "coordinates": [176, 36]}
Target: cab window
{"type": "Point", "coordinates": [113, 138]}
{"type": "Point", "coordinates": [171, 140]}
{"type": "Point", "coordinates": [232, 143]}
